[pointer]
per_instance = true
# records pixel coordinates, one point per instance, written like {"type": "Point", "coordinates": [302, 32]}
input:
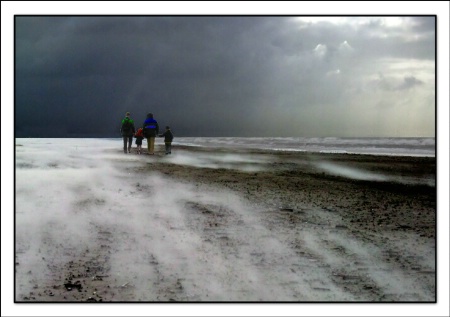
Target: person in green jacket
{"type": "Point", "coordinates": [127, 130]}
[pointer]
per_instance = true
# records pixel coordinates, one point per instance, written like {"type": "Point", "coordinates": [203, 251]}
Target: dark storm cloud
{"type": "Point", "coordinates": [176, 67]}
{"type": "Point", "coordinates": [203, 76]}
{"type": "Point", "coordinates": [391, 84]}
{"type": "Point", "coordinates": [410, 82]}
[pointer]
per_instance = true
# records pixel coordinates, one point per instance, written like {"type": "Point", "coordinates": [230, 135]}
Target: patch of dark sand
{"type": "Point", "coordinates": [295, 195]}
{"type": "Point", "coordinates": [384, 213]}
{"type": "Point", "coordinates": [292, 180]}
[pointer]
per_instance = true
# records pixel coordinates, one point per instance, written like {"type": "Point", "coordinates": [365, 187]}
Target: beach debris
{"type": "Point", "coordinates": [91, 299]}
{"type": "Point", "coordinates": [69, 285]}
{"type": "Point", "coordinates": [179, 285]}
{"type": "Point", "coordinates": [125, 285]}
{"type": "Point", "coordinates": [346, 276]}
{"type": "Point", "coordinates": [99, 277]}
{"type": "Point", "coordinates": [330, 209]}
{"type": "Point", "coordinates": [321, 289]}
{"type": "Point", "coordinates": [293, 210]}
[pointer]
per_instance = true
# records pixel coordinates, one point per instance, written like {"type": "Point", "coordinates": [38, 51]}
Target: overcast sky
{"type": "Point", "coordinates": [226, 75]}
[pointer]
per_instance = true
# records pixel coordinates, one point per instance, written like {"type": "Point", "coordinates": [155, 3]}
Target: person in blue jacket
{"type": "Point", "coordinates": [151, 130]}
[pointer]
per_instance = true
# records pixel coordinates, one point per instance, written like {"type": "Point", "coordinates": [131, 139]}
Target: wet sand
{"type": "Point", "coordinates": [365, 225]}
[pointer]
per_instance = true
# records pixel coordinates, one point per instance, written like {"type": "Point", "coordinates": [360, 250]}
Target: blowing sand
{"type": "Point", "coordinates": [206, 225]}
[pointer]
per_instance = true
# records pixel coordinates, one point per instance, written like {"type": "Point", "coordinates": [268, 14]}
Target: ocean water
{"type": "Point", "coordinates": [373, 146]}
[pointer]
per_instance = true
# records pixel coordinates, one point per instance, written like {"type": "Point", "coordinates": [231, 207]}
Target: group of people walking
{"type": "Point", "coordinates": [149, 130]}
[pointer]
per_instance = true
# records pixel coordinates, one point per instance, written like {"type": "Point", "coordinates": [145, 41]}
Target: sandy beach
{"type": "Point", "coordinates": [224, 225]}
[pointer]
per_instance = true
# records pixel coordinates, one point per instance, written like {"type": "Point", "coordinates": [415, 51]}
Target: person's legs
{"type": "Point", "coordinates": [152, 145]}
{"type": "Point", "coordinates": [130, 141]}
{"type": "Point", "coordinates": [148, 145]}
{"type": "Point", "coordinates": [125, 144]}
{"type": "Point", "coordinates": [168, 148]}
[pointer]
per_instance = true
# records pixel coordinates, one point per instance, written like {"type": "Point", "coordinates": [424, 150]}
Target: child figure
{"type": "Point", "coordinates": [139, 136]}
{"type": "Point", "coordinates": [168, 137]}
